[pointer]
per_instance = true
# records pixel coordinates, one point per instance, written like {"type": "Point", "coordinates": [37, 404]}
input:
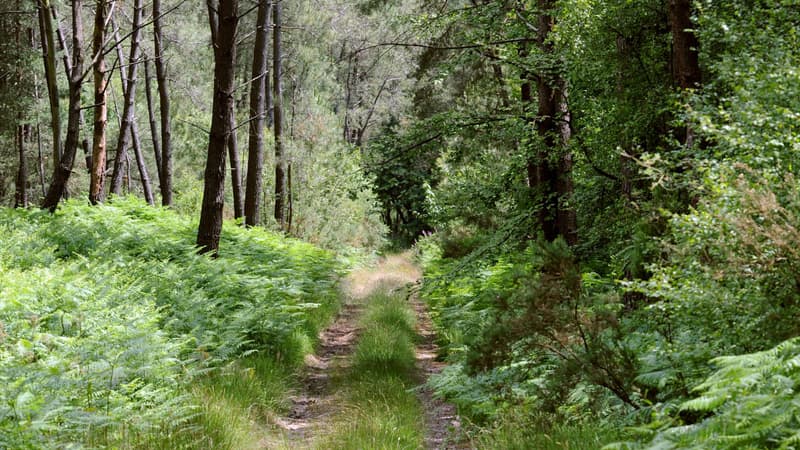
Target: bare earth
{"type": "Point", "coordinates": [315, 406]}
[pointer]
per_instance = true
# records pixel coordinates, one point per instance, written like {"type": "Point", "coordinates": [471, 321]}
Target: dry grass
{"type": "Point", "coordinates": [389, 273]}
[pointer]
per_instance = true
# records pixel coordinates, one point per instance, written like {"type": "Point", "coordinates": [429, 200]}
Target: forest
{"type": "Point", "coordinates": [399, 224]}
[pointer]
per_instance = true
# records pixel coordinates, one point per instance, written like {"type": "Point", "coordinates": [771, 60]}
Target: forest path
{"type": "Point", "coordinates": [318, 408]}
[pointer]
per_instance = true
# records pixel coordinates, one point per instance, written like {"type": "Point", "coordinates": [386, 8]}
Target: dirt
{"type": "Point", "coordinates": [442, 424]}
{"type": "Point", "coordinates": [316, 402]}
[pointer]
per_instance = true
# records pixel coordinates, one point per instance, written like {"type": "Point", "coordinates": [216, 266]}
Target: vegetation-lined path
{"type": "Point", "coordinates": [363, 387]}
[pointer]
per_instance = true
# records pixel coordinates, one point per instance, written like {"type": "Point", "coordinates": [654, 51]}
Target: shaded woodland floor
{"type": "Point", "coordinates": [337, 398]}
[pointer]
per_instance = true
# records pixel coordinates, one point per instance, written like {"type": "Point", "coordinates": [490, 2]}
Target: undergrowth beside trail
{"type": "Point", "coordinates": [380, 411]}
{"type": "Point", "coordinates": [114, 332]}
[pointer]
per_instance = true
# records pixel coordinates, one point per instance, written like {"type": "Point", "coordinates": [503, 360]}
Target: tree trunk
{"type": "Point", "coordinates": [166, 133]}
{"type": "Point", "coordinates": [49, 57]}
{"type": "Point", "coordinates": [128, 127]}
{"type": "Point", "coordinates": [236, 170]}
{"type": "Point", "coordinates": [685, 58]}
{"type": "Point", "coordinates": [98, 174]}
{"type": "Point", "coordinates": [41, 158]}
{"type": "Point", "coordinates": [63, 169]}
{"type": "Point", "coordinates": [281, 181]}
{"type": "Point", "coordinates": [258, 88]}
{"type": "Point", "coordinates": [233, 142]}
{"type": "Point", "coordinates": [62, 43]}
{"type": "Point", "coordinates": [210, 227]}
{"type": "Point", "coordinates": [144, 177]}
{"type": "Point", "coordinates": [151, 113]}
{"type": "Point", "coordinates": [553, 180]}
{"type": "Point", "coordinates": [21, 196]}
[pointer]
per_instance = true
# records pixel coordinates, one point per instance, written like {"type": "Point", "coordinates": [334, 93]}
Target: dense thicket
{"type": "Point", "coordinates": [683, 131]}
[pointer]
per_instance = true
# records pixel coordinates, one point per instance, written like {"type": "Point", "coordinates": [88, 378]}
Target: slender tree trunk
{"type": "Point", "coordinates": [41, 158]}
{"type": "Point", "coordinates": [49, 57]}
{"type": "Point", "coordinates": [21, 196]}
{"type": "Point", "coordinates": [210, 227]}
{"type": "Point", "coordinates": [98, 174]}
{"type": "Point", "coordinates": [144, 177]}
{"type": "Point", "coordinates": [63, 169]}
{"type": "Point", "coordinates": [151, 113]}
{"type": "Point", "coordinates": [62, 43]}
{"type": "Point", "coordinates": [255, 154]}
{"type": "Point", "coordinates": [128, 126]}
{"type": "Point", "coordinates": [236, 171]}
{"type": "Point", "coordinates": [166, 127]}
{"type": "Point", "coordinates": [281, 181]}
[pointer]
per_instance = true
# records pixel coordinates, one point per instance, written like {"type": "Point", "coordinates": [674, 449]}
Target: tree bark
{"type": "Point", "coordinates": [62, 43]}
{"type": "Point", "coordinates": [144, 177]}
{"type": "Point", "coordinates": [166, 126]}
{"type": "Point", "coordinates": [210, 227]}
{"type": "Point", "coordinates": [128, 128]}
{"type": "Point", "coordinates": [151, 114]}
{"type": "Point", "coordinates": [552, 181]}
{"type": "Point", "coordinates": [281, 181]}
{"type": "Point", "coordinates": [685, 57]}
{"type": "Point", "coordinates": [49, 57]}
{"type": "Point", "coordinates": [98, 174]}
{"type": "Point", "coordinates": [258, 88]}
{"type": "Point", "coordinates": [21, 196]}
{"type": "Point", "coordinates": [63, 169]}
{"type": "Point", "coordinates": [236, 170]}
{"type": "Point", "coordinates": [233, 142]}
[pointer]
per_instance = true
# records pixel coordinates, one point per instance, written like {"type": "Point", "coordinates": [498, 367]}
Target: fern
{"type": "Point", "coordinates": [751, 402]}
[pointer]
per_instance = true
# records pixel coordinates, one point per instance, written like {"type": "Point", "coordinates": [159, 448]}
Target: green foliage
{"type": "Point", "coordinates": [749, 403]}
{"type": "Point", "coordinates": [107, 313]}
{"type": "Point", "coordinates": [529, 333]}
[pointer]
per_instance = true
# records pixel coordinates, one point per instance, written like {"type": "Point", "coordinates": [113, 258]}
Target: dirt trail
{"type": "Point", "coordinates": [317, 403]}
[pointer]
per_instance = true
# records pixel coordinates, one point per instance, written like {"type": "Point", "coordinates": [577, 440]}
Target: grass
{"type": "Point", "coordinates": [238, 401]}
{"type": "Point", "coordinates": [381, 411]}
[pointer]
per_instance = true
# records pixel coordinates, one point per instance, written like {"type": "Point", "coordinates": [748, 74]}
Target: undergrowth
{"type": "Point", "coordinates": [114, 332]}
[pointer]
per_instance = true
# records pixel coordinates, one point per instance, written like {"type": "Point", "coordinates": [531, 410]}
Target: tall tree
{"type": "Point", "coordinates": [99, 148]}
{"type": "Point", "coordinates": [210, 227]}
{"type": "Point", "coordinates": [49, 56]}
{"type": "Point", "coordinates": [62, 43]}
{"type": "Point", "coordinates": [128, 127]}
{"type": "Point", "coordinates": [21, 196]}
{"type": "Point", "coordinates": [686, 72]}
{"type": "Point", "coordinates": [281, 178]}
{"type": "Point", "coordinates": [63, 169]}
{"type": "Point", "coordinates": [551, 177]}
{"type": "Point", "coordinates": [236, 171]}
{"type": "Point", "coordinates": [258, 88]}
{"type": "Point", "coordinates": [163, 95]}
{"type": "Point", "coordinates": [151, 114]}
{"type": "Point", "coordinates": [233, 143]}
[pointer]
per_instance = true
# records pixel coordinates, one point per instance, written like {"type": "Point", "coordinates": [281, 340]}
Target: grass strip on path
{"type": "Point", "coordinates": [381, 410]}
